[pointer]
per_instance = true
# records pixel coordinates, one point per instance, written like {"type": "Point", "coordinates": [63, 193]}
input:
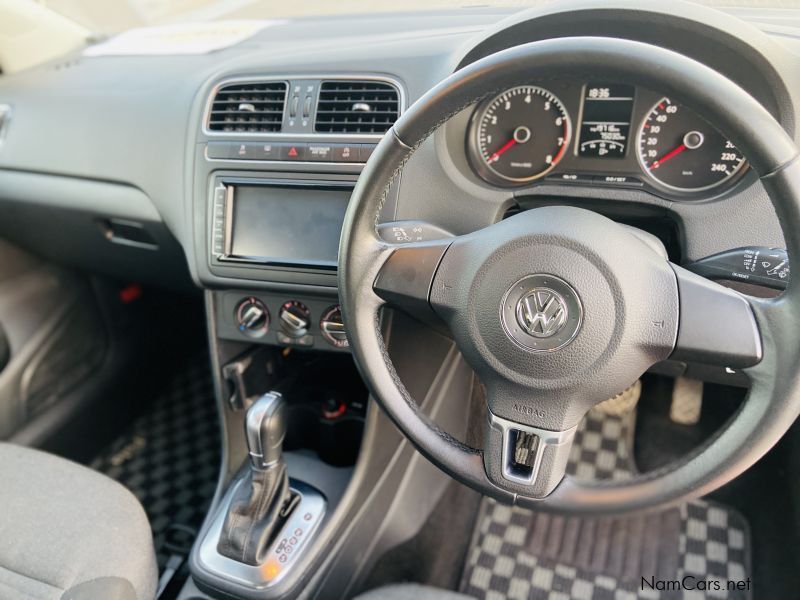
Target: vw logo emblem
{"type": "Point", "coordinates": [541, 313]}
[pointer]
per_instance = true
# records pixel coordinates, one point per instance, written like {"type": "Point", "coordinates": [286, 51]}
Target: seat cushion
{"type": "Point", "coordinates": [410, 591]}
{"type": "Point", "coordinates": [70, 533]}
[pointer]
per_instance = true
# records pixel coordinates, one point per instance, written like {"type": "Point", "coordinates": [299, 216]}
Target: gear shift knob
{"type": "Point", "coordinates": [265, 428]}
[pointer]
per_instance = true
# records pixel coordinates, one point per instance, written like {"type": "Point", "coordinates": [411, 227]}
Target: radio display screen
{"type": "Point", "coordinates": [288, 225]}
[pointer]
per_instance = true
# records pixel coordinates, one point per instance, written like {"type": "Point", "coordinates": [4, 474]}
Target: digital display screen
{"type": "Point", "coordinates": [288, 224]}
{"type": "Point", "coordinates": [605, 120]}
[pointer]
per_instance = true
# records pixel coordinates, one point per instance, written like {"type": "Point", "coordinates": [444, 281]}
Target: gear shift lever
{"type": "Point", "coordinates": [262, 503]}
{"type": "Point", "coordinates": [265, 428]}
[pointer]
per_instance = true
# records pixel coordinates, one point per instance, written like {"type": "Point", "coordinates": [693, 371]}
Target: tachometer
{"type": "Point", "coordinates": [519, 136]}
{"type": "Point", "coordinates": [682, 152]}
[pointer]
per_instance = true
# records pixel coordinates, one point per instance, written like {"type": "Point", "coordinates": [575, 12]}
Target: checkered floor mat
{"type": "Point", "coordinates": [601, 449]}
{"type": "Point", "coordinates": [169, 458]}
{"type": "Point", "coordinates": [521, 554]}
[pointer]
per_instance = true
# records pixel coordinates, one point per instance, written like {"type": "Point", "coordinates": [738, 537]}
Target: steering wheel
{"type": "Point", "coordinates": [558, 308]}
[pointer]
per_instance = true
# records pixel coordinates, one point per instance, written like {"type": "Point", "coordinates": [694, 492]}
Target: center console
{"type": "Point", "coordinates": [275, 164]}
{"type": "Point", "coordinates": [260, 226]}
{"type": "Point", "coordinates": [275, 169]}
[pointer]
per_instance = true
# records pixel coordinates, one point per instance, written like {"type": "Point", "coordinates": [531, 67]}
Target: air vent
{"type": "Point", "coordinates": [249, 107]}
{"type": "Point", "coordinates": [356, 107]}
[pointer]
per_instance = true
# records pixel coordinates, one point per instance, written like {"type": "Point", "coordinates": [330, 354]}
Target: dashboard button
{"type": "Point", "coordinates": [319, 152]}
{"type": "Point", "coordinates": [244, 150]}
{"type": "Point", "coordinates": [570, 177]}
{"type": "Point", "coordinates": [366, 151]}
{"type": "Point", "coordinates": [218, 149]}
{"type": "Point", "coordinates": [345, 153]}
{"type": "Point", "coordinates": [622, 180]}
{"type": "Point", "coordinates": [293, 151]}
{"type": "Point", "coordinates": [266, 151]}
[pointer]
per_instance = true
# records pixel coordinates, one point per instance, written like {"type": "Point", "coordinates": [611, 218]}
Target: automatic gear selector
{"type": "Point", "coordinates": [266, 520]}
{"type": "Point", "coordinates": [260, 508]}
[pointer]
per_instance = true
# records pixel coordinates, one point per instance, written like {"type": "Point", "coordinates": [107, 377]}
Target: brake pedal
{"type": "Point", "coordinates": [687, 401]}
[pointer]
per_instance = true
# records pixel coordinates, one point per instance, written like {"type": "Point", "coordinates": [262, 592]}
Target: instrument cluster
{"type": "Point", "coordinates": [600, 133]}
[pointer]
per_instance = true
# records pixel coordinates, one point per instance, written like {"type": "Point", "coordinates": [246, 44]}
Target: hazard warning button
{"type": "Point", "coordinates": [293, 151]}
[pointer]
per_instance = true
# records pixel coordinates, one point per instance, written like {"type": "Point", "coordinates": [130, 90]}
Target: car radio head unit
{"type": "Point", "coordinates": [278, 223]}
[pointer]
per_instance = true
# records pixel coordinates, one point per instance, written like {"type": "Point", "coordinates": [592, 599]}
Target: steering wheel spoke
{"type": "Point", "coordinates": [716, 326]}
{"type": "Point", "coordinates": [405, 278]}
{"type": "Point", "coordinates": [526, 459]}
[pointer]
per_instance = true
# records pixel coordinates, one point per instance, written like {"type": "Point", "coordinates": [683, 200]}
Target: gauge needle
{"type": "Point", "coordinates": [506, 146]}
{"type": "Point", "coordinates": [667, 156]}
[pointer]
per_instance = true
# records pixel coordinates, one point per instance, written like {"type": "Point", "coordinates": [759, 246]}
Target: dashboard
{"type": "Point", "coordinates": [231, 171]}
{"type": "Point", "coordinates": [600, 133]}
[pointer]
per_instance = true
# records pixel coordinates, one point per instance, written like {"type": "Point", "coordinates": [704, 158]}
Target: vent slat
{"type": "Point", "coordinates": [389, 92]}
{"type": "Point", "coordinates": [267, 100]}
{"type": "Point", "coordinates": [219, 102]}
{"type": "Point", "coordinates": [241, 113]}
{"type": "Point", "coordinates": [224, 93]}
{"type": "Point", "coordinates": [372, 113]}
{"type": "Point", "coordinates": [337, 112]}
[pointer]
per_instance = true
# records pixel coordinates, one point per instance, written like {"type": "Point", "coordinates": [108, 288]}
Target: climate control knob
{"type": "Point", "coordinates": [295, 319]}
{"type": "Point", "coordinates": [332, 327]}
{"type": "Point", "coordinates": [252, 317]}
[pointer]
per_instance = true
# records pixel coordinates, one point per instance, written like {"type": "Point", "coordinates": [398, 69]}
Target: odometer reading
{"type": "Point", "coordinates": [681, 151]}
{"type": "Point", "coordinates": [605, 120]}
{"type": "Point", "coordinates": [520, 135]}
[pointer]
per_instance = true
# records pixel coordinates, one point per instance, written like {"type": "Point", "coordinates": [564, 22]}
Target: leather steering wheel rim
{"type": "Point", "coordinates": [773, 402]}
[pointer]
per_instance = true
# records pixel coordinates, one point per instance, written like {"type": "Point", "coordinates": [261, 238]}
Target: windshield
{"type": "Point", "coordinates": [114, 16]}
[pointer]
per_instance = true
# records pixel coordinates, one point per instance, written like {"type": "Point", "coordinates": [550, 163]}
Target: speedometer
{"type": "Point", "coordinates": [682, 152]}
{"type": "Point", "coordinates": [519, 136]}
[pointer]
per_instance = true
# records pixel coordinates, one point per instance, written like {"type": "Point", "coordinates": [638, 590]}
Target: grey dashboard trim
{"type": "Point", "coordinates": [323, 137]}
{"type": "Point", "coordinates": [76, 193]}
{"type": "Point", "coordinates": [285, 164]}
{"type": "Point", "coordinates": [298, 166]}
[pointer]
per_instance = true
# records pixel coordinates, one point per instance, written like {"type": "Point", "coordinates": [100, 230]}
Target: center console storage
{"type": "Point", "coordinates": [324, 395]}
